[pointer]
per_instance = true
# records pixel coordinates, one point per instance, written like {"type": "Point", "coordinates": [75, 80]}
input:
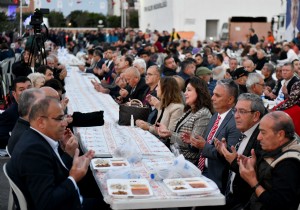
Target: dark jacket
{"type": "Point", "coordinates": [218, 167]}
{"type": "Point", "coordinates": [20, 127]}
{"type": "Point", "coordinates": [138, 91]}
{"type": "Point", "coordinates": [45, 182]}
{"type": "Point", "coordinates": [8, 120]}
{"type": "Point", "coordinates": [21, 68]}
{"type": "Point", "coordinates": [241, 189]}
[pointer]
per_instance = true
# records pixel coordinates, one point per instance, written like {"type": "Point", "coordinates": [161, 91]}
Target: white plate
{"type": "Point", "coordinates": [188, 186]}
{"type": "Point", "coordinates": [124, 188]}
{"type": "Point", "coordinates": [105, 164]}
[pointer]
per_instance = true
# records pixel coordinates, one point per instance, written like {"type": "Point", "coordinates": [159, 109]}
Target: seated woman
{"type": "Point", "coordinates": [37, 79]}
{"type": "Point", "coordinates": [170, 107]}
{"type": "Point", "coordinates": [198, 111]}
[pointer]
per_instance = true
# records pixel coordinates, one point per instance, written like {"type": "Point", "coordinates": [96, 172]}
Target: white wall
{"type": "Point", "coordinates": [177, 11]}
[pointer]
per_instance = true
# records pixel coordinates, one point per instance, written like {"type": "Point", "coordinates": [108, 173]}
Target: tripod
{"type": "Point", "coordinates": [37, 50]}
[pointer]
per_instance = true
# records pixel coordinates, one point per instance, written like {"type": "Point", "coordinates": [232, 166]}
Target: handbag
{"type": "Point", "coordinates": [134, 107]}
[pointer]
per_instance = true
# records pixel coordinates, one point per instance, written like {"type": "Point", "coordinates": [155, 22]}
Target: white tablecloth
{"type": "Point", "coordinates": [105, 139]}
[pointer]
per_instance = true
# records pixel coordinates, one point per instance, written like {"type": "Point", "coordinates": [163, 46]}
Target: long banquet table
{"type": "Point", "coordinates": [105, 139]}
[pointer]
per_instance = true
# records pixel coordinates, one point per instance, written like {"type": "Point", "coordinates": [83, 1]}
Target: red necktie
{"type": "Point", "coordinates": [214, 129]}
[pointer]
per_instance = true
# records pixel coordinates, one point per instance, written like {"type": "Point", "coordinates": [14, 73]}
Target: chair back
{"type": "Point", "coordinates": [17, 191]}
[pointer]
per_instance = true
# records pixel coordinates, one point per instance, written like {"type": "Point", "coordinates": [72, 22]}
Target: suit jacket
{"type": "Point", "coordinates": [218, 167]}
{"type": "Point", "coordinates": [7, 122]}
{"type": "Point", "coordinates": [241, 189]}
{"type": "Point", "coordinates": [20, 127]}
{"type": "Point", "coordinates": [38, 172]}
{"type": "Point", "coordinates": [138, 91]}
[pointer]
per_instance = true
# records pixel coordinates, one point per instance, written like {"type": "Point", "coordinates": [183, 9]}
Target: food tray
{"type": "Point", "coordinates": [188, 186]}
{"type": "Point", "coordinates": [123, 188]}
{"type": "Point", "coordinates": [105, 164]}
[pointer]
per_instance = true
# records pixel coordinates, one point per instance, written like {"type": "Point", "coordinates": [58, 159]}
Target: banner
{"type": "Point", "coordinates": [292, 19]}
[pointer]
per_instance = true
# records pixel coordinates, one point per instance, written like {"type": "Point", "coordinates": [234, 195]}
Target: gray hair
{"type": "Point", "coordinates": [156, 69]}
{"type": "Point", "coordinates": [133, 72]}
{"type": "Point", "coordinates": [253, 78]}
{"type": "Point", "coordinates": [50, 58]}
{"type": "Point", "coordinates": [141, 62]}
{"type": "Point", "coordinates": [34, 77]}
{"type": "Point", "coordinates": [257, 103]}
{"type": "Point", "coordinates": [27, 99]}
{"type": "Point", "coordinates": [230, 86]}
{"type": "Point", "coordinates": [40, 108]}
{"type": "Point", "coordinates": [218, 73]}
{"type": "Point", "coordinates": [270, 67]}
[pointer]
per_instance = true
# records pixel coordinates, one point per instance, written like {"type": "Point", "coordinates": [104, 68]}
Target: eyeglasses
{"type": "Point", "coordinates": [263, 85]}
{"type": "Point", "coordinates": [241, 111]}
{"type": "Point", "coordinates": [58, 119]}
{"type": "Point", "coordinates": [149, 74]}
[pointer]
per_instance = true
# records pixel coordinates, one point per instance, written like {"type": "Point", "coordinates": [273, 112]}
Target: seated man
{"type": "Point", "coordinates": [27, 99]}
{"type": "Point", "coordinates": [49, 183]}
{"type": "Point", "coordinates": [47, 71]}
{"type": "Point", "coordinates": [247, 113]}
{"type": "Point", "coordinates": [10, 116]}
{"type": "Point", "coordinates": [274, 173]}
{"type": "Point", "coordinates": [136, 85]}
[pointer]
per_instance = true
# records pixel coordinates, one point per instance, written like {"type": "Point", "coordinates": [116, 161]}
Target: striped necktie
{"type": "Point", "coordinates": [214, 129]}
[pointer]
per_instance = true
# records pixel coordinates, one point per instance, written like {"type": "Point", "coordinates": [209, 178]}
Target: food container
{"type": "Point", "coordinates": [188, 186]}
{"type": "Point", "coordinates": [124, 188]}
{"type": "Point", "coordinates": [105, 164]}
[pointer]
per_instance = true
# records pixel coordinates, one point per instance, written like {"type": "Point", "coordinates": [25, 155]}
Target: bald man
{"type": "Point", "coordinates": [136, 85]}
{"type": "Point", "coordinates": [274, 173]}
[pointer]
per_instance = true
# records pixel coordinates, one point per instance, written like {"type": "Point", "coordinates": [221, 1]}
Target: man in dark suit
{"type": "Point", "coordinates": [248, 112]}
{"type": "Point", "coordinates": [9, 117]}
{"type": "Point", "coordinates": [26, 100]}
{"type": "Point", "coordinates": [136, 85]}
{"type": "Point", "coordinates": [49, 183]}
{"type": "Point", "coordinates": [221, 125]}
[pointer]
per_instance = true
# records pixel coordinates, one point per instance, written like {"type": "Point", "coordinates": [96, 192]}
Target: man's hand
{"type": "Point", "coordinates": [71, 146]}
{"type": "Point", "coordinates": [81, 164]}
{"type": "Point", "coordinates": [229, 156]}
{"type": "Point", "coordinates": [63, 74]}
{"type": "Point", "coordinates": [247, 168]}
{"type": "Point", "coordinates": [123, 93]}
{"type": "Point", "coordinates": [198, 142]}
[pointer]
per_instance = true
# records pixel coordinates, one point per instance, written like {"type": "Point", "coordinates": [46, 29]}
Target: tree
{"type": "Point", "coordinates": [133, 19]}
{"type": "Point", "coordinates": [56, 19]}
{"type": "Point", "coordinates": [113, 21]}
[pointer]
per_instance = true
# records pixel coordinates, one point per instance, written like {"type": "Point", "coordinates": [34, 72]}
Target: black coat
{"type": "Point", "coordinates": [8, 120]}
{"type": "Point", "coordinates": [21, 68]}
{"type": "Point", "coordinates": [241, 189]}
{"type": "Point", "coordinates": [38, 172]}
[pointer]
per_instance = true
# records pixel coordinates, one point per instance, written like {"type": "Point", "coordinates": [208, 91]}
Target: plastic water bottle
{"type": "Point", "coordinates": [131, 121]}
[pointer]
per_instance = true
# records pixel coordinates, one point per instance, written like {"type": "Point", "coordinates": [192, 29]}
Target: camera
{"type": "Point", "coordinates": [37, 19]}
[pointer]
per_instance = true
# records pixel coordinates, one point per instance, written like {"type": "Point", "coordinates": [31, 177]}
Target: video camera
{"type": "Point", "coordinates": [37, 19]}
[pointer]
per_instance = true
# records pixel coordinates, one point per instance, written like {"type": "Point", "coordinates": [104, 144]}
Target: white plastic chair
{"type": "Point", "coordinates": [17, 191]}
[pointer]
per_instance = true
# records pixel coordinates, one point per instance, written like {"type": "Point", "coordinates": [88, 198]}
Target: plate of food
{"type": "Point", "coordinates": [136, 188]}
{"type": "Point", "coordinates": [105, 164]}
{"type": "Point", "coordinates": [188, 186]}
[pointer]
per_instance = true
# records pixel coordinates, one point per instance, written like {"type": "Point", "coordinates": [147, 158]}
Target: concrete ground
{"type": "Point", "coordinates": [4, 185]}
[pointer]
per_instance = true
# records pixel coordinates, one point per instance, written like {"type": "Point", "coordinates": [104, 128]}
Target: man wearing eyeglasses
{"type": "Point", "coordinates": [37, 167]}
{"type": "Point", "coordinates": [255, 83]}
{"type": "Point", "coordinates": [247, 113]}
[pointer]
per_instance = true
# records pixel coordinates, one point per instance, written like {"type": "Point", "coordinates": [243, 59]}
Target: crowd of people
{"type": "Point", "coordinates": [210, 101]}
